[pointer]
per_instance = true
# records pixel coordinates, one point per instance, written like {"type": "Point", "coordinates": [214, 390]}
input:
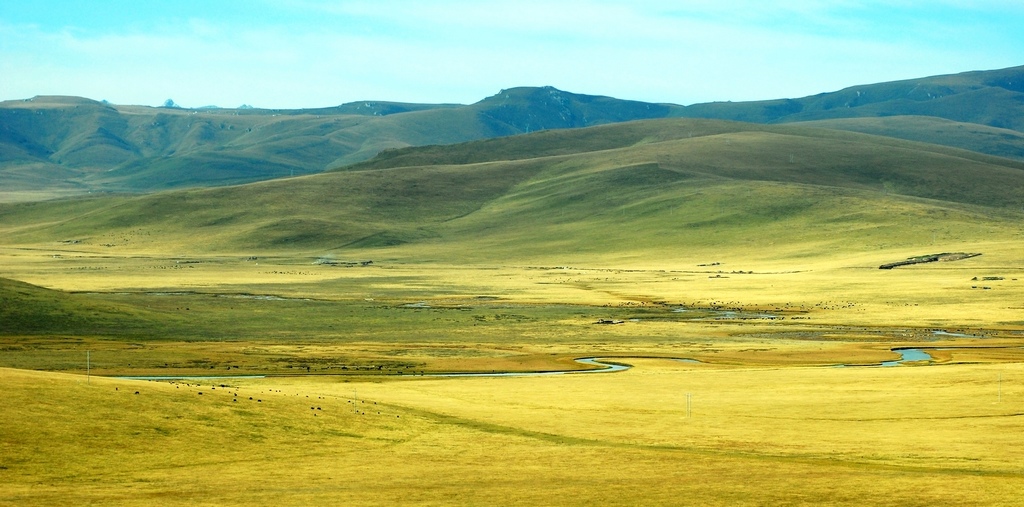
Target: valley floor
{"type": "Point", "coordinates": [757, 412]}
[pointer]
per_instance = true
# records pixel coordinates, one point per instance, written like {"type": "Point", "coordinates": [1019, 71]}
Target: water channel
{"type": "Point", "coordinates": [603, 367]}
{"type": "Point", "coordinates": [590, 361]}
{"type": "Point", "coordinates": [907, 355]}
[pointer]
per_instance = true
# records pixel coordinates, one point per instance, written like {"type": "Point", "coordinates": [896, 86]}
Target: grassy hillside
{"type": "Point", "coordinates": [628, 189]}
{"type": "Point", "coordinates": [969, 136]}
{"type": "Point", "coordinates": [984, 97]}
{"type": "Point", "coordinates": [608, 137]}
{"type": "Point", "coordinates": [30, 310]}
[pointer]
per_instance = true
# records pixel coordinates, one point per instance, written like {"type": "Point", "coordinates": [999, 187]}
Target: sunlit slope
{"type": "Point", "coordinates": [641, 133]}
{"type": "Point", "coordinates": [650, 436]}
{"type": "Point", "coordinates": [637, 189]}
{"type": "Point", "coordinates": [69, 430]}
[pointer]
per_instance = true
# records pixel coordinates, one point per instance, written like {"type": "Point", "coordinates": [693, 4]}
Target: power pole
{"type": "Point", "coordinates": [88, 369]}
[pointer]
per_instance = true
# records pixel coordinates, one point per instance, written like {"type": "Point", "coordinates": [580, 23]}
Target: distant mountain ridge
{"type": "Point", "coordinates": [994, 98]}
{"type": "Point", "coordinates": [77, 144]}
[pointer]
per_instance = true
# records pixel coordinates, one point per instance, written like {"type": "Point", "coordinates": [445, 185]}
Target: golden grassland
{"type": "Point", "coordinates": [826, 287]}
{"type": "Point", "coordinates": [938, 435]}
{"type": "Point", "coordinates": [754, 254]}
{"type": "Point", "coordinates": [772, 420]}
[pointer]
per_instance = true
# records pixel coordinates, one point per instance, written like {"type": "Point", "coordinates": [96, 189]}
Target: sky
{"type": "Point", "coordinates": [316, 53]}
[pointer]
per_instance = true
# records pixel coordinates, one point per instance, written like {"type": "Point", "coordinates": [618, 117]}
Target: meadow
{"type": "Point", "coordinates": [744, 292]}
{"type": "Point", "coordinates": [933, 435]}
{"type": "Point", "coordinates": [348, 412]}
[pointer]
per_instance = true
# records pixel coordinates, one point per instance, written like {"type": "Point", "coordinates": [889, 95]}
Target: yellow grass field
{"type": "Point", "coordinates": [934, 435]}
{"type": "Point", "coordinates": [351, 411]}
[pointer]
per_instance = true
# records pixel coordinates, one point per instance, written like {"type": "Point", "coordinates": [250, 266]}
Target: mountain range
{"type": "Point", "coordinates": [72, 145]}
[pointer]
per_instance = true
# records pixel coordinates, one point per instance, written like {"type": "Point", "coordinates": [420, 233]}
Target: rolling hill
{"type": "Point", "coordinates": [930, 129]}
{"type": "Point", "coordinates": [67, 145]}
{"type": "Point", "coordinates": [628, 190]}
{"type": "Point", "coordinates": [26, 309]}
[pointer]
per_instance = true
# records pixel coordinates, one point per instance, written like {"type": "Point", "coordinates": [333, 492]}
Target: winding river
{"type": "Point", "coordinates": [907, 355]}
{"type": "Point", "coordinates": [603, 367]}
{"type": "Point", "coordinates": [589, 361]}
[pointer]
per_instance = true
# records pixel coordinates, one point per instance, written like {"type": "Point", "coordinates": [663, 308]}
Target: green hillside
{"type": "Point", "coordinates": [631, 189]}
{"type": "Point", "coordinates": [30, 310]}
{"type": "Point", "coordinates": [969, 136]}
{"type": "Point", "coordinates": [991, 98]}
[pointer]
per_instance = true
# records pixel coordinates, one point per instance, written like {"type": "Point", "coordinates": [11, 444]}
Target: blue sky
{"type": "Point", "coordinates": [315, 53]}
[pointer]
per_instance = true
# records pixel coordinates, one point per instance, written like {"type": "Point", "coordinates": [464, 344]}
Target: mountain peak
{"type": "Point", "coordinates": [530, 108]}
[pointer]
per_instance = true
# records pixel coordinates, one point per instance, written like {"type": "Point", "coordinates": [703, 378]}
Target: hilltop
{"type": "Point", "coordinates": [67, 145]}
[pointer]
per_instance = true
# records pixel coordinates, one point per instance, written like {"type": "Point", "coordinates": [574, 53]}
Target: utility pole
{"type": "Point", "coordinates": [88, 369]}
{"type": "Point", "coordinates": [689, 398]}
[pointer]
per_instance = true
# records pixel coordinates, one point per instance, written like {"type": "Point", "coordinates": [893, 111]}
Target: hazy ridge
{"type": "Point", "coordinates": [70, 144]}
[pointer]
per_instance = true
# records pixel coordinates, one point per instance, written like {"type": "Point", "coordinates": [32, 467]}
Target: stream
{"type": "Point", "coordinates": [907, 355]}
{"type": "Point", "coordinates": [589, 361]}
